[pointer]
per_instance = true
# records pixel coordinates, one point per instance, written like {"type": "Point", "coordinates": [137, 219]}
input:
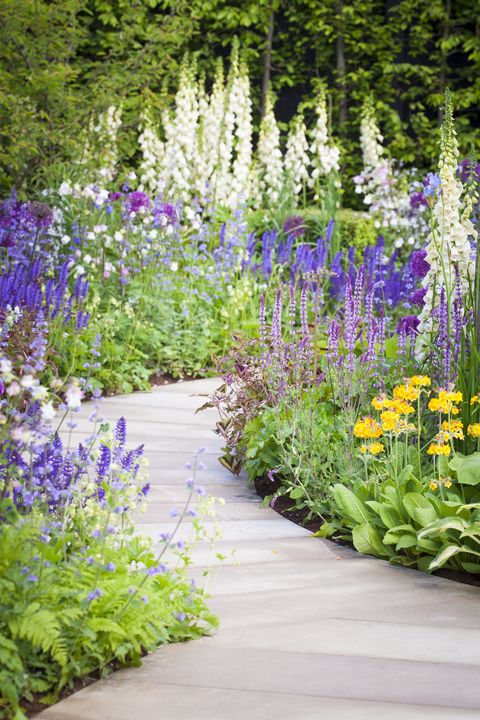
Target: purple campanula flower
{"type": "Point", "coordinates": [94, 594]}
{"type": "Point", "coordinates": [418, 297]}
{"type": "Point", "coordinates": [420, 266]}
{"type": "Point", "coordinates": [432, 184]}
{"type": "Point", "coordinates": [417, 200]}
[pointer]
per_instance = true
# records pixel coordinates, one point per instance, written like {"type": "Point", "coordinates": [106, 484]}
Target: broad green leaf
{"type": "Point", "coordinates": [389, 516]}
{"type": "Point", "coordinates": [419, 508]}
{"type": "Point", "coordinates": [437, 527]}
{"type": "Point", "coordinates": [349, 504]}
{"type": "Point", "coordinates": [467, 468]}
{"type": "Point", "coordinates": [444, 556]}
{"type": "Point", "coordinates": [367, 540]}
{"type": "Point", "coordinates": [406, 541]}
{"type": "Point", "coordinates": [471, 567]}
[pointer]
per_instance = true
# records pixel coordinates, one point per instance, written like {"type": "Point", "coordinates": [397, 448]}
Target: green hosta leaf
{"type": "Point", "coordinates": [419, 508]}
{"type": "Point", "coordinates": [471, 567]}
{"type": "Point", "coordinates": [349, 504]}
{"type": "Point", "coordinates": [471, 530]}
{"type": "Point", "coordinates": [393, 536]}
{"type": "Point", "coordinates": [367, 540]}
{"type": "Point", "coordinates": [406, 541]}
{"type": "Point", "coordinates": [444, 556]}
{"type": "Point", "coordinates": [437, 527]}
{"type": "Point", "coordinates": [389, 516]}
{"type": "Point", "coordinates": [467, 468]}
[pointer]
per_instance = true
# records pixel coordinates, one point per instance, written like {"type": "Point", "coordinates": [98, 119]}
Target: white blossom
{"type": "Point", "coordinates": [269, 157]}
{"type": "Point", "coordinates": [296, 158]}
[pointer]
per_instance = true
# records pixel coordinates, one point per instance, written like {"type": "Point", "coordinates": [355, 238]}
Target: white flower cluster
{"type": "Point", "coordinates": [448, 250]}
{"type": "Point", "coordinates": [101, 150]}
{"type": "Point", "coordinates": [325, 154]}
{"type": "Point", "coordinates": [153, 153]}
{"type": "Point", "coordinates": [269, 156]}
{"type": "Point", "coordinates": [181, 138]}
{"type": "Point", "coordinates": [297, 160]}
{"type": "Point", "coordinates": [386, 188]}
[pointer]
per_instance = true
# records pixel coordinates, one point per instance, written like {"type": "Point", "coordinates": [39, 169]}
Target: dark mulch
{"type": "Point", "coordinates": [286, 507]}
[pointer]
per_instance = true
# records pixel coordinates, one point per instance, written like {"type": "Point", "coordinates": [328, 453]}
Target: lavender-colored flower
{"type": "Point", "coordinates": [94, 594]}
{"type": "Point", "coordinates": [104, 461]}
{"type": "Point", "coordinates": [121, 431]}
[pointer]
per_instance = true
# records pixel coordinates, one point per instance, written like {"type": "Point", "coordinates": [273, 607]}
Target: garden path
{"type": "Point", "coordinates": [308, 629]}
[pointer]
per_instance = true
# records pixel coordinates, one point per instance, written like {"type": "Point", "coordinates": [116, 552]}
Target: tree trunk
{"type": "Point", "coordinates": [267, 59]}
{"type": "Point", "coordinates": [341, 65]}
{"type": "Point", "coordinates": [444, 53]}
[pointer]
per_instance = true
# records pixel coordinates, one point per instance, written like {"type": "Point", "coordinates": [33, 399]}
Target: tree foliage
{"type": "Point", "coordinates": [61, 60]}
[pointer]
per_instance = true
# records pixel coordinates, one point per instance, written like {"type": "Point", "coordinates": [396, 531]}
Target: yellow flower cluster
{"type": "Point", "coordinates": [474, 399]}
{"type": "Point", "coordinates": [474, 430]}
{"type": "Point", "coordinates": [445, 402]}
{"type": "Point", "coordinates": [374, 448]}
{"type": "Point", "coordinates": [406, 392]}
{"type": "Point", "coordinates": [438, 448]}
{"type": "Point", "coordinates": [420, 381]}
{"type": "Point", "coordinates": [445, 482]}
{"type": "Point", "coordinates": [367, 429]}
{"type": "Point", "coordinates": [453, 429]}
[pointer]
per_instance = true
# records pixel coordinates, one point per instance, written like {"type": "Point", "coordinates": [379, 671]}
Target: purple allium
{"type": "Point", "coordinates": [294, 226]}
{"type": "Point", "coordinates": [420, 266]}
{"type": "Point", "coordinates": [138, 200]}
{"type": "Point", "coordinates": [40, 214]}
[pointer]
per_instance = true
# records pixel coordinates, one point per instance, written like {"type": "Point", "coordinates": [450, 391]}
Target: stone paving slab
{"type": "Point", "coordinates": [309, 629]}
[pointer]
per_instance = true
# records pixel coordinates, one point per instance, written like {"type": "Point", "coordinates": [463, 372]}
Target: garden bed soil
{"type": "Point", "coordinates": [285, 507]}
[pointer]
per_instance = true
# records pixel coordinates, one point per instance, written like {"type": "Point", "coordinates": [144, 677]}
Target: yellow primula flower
{"type": "Point", "coordinates": [389, 420]}
{"type": "Point", "coordinates": [445, 402]}
{"type": "Point", "coordinates": [454, 428]}
{"type": "Point", "coordinates": [474, 430]}
{"type": "Point", "coordinates": [376, 448]}
{"type": "Point", "coordinates": [379, 403]}
{"type": "Point", "coordinates": [363, 449]}
{"type": "Point", "coordinates": [367, 429]}
{"type": "Point", "coordinates": [447, 482]}
{"type": "Point", "coordinates": [403, 426]}
{"type": "Point", "coordinates": [438, 449]}
{"type": "Point", "coordinates": [405, 392]}
{"type": "Point", "coordinates": [420, 381]}
{"type": "Point", "coordinates": [433, 485]}
{"type": "Point", "coordinates": [402, 407]}
{"type": "Point", "coordinates": [474, 399]}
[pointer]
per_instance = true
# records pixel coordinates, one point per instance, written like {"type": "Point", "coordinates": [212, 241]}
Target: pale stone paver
{"type": "Point", "coordinates": [309, 630]}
